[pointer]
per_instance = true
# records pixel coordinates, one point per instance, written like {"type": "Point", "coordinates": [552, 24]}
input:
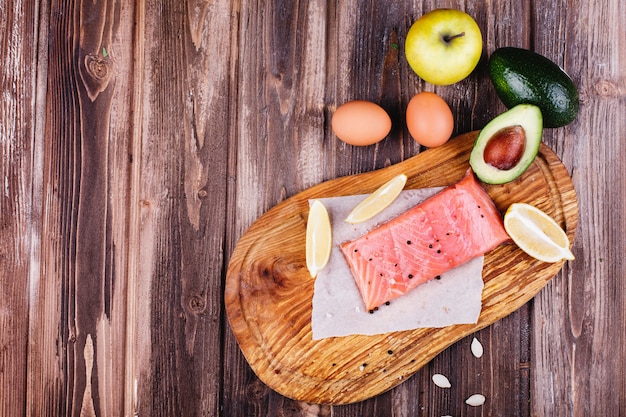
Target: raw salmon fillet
{"type": "Point", "coordinates": [459, 223]}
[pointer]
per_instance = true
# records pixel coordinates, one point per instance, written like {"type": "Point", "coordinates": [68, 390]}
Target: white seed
{"type": "Point", "coordinates": [475, 400]}
{"type": "Point", "coordinates": [441, 381]}
{"type": "Point", "coordinates": [477, 348]}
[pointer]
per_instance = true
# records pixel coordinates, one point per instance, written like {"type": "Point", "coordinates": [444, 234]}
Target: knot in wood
{"type": "Point", "coordinates": [99, 68]}
{"type": "Point", "coordinates": [606, 88]}
{"type": "Point", "coordinates": [197, 304]}
{"type": "Point", "coordinates": [256, 390]}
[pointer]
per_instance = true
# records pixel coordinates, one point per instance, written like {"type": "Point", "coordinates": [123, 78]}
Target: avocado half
{"type": "Point", "coordinates": [507, 145]}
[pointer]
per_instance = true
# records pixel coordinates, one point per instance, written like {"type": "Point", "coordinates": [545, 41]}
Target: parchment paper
{"type": "Point", "coordinates": [338, 309]}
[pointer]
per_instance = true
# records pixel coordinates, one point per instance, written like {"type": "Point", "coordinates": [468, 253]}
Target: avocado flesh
{"type": "Point", "coordinates": [526, 116]}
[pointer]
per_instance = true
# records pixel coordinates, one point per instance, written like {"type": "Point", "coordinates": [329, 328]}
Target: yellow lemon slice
{"type": "Point", "coordinates": [377, 201]}
{"type": "Point", "coordinates": [318, 238]}
{"type": "Point", "coordinates": [536, 233]}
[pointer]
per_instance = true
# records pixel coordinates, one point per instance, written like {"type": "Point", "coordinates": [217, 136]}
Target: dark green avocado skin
{"type": "Point", "coordinates": [522, 76]}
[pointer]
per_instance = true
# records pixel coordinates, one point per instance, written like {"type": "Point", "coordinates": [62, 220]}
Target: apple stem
{"type": "Point", "coordinates": [448, 38]}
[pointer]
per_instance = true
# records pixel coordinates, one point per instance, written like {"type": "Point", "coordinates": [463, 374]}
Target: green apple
{"type": "Point", "coordinates": [444, 46]}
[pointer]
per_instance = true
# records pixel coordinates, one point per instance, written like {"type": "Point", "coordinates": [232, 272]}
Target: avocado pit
{"type": "Point", "coordinates": [506, 147]}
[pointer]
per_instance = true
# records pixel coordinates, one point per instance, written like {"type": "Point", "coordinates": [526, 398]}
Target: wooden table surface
{"type": "Point", "coordinates": [140, 140]}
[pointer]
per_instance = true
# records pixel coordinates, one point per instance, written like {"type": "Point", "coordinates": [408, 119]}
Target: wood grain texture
{"type": "Point", "coordinates": [78, 314]}
{"type": "Point", "coordinates": [582, 329]}
{"type": "Point", "coordinates": [182, 190]}
{"type": "Point", "coordinates": [18, 202]}
{"type": "Point", "coordinates": [269, 292]}
{"type": "Point", "coordinates": [139, 141]}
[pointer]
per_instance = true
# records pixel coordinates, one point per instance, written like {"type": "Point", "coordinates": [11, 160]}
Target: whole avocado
{"type": "Point", "coordinates": [521, 76]}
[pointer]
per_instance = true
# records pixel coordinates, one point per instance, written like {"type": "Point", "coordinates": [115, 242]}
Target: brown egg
{"type": "Point", "coordinates": [361, 123]}
{"type": "Point", "coordinates": [429, 119]}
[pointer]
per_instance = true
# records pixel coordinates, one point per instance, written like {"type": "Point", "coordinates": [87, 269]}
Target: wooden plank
{"type": "Point", "coordinates": [79, 307]}
{"type": "Point", "coordinates": [505, 364]}
{"type": "Point", "coordinates": [18, 206]}
{"type": "Point", "coordinates": [184, 148]}
{"type": "Point", "coordinates": [578, 341]}
{"type": "Point", "coordinates": [276, 147]}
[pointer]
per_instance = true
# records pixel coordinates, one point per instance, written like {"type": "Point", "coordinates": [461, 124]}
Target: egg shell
{"type": "Point", "coordinates": [429, 119]}
{"type": "Point", "coordinates": [361, 123]}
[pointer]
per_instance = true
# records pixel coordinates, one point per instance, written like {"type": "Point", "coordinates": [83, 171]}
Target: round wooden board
{"type": "Point", "coordinates": [269, 291]}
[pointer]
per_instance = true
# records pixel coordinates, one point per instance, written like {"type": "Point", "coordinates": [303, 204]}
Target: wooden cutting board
{"type": "Point", "coordinates": [269, 292]}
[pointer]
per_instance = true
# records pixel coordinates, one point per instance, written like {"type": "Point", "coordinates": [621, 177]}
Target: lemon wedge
{"type": "Point", "coordinates": [318, 238]}
{"type": "Point", "coordinates": [536, 233]}
{"type": "Point", "coordinates": [377, 201]}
